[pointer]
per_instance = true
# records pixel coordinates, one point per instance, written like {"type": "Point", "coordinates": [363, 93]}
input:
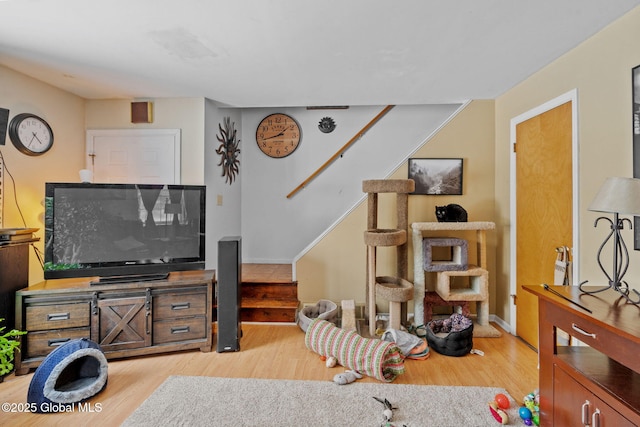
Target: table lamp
{"type": "Point", "coordinates": [617, 196]}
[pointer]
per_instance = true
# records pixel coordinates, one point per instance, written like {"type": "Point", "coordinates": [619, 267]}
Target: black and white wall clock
{"type": "Point", "coordinates": [30, 134]}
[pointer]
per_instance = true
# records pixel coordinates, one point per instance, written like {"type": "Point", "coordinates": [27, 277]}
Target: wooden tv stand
{"type": "Point", "coordinates": [596, 384]}
{"type": "Point", "coordinates": [126, 319]}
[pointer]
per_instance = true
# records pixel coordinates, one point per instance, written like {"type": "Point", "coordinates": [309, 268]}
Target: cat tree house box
{"type": "Point", "coordinates": [459, 254]}
{"type": "Point", "coordinates": [420, 230]}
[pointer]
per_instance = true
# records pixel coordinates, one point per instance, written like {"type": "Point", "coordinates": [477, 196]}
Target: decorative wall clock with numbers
{"type": "Point", "coordinates": [278, 135]}
{"type": "Point", "coordinates": [30, 134]}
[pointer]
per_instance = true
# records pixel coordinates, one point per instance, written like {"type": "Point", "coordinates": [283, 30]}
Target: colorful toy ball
{"type": "Point", "coordinates": [525, 414]}
{"type": "Point", "coordinates": [502, 401]}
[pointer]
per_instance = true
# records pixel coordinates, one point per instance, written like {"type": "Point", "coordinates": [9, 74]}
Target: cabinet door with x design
{"type": "Point", "coordinates": [122, 323]}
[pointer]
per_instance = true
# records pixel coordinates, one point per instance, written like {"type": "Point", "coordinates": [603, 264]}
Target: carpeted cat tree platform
{"type": "Point", "coordinates": [72, 373]}
{"type": "Point", "coordinates": [397, 290]}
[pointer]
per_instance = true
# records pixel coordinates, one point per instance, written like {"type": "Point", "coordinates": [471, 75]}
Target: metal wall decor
{"type": "Point", "coordinates": [228, 150]}
{"type": "Point", "coordinates": [326, 125]}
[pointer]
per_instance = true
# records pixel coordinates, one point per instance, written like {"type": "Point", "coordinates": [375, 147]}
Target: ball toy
{"type": "Point", "coordinates": [502, 401]}
{"type": "Point", "coordinates": [526, 415]}
{"type": "Point", "coordinates": [530, 412]}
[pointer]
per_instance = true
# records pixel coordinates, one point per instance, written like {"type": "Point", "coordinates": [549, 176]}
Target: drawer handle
{"type": "Point", "coordinates": [53, 317]}
{"type": "Point", "coordinates": [582, 331]}
{"type": "Point", "coordinates": [180, 330]}
{"type": "Point", "coordinates": [585, 412]}
{"type": "Point", "coordinates": [595, 418]}
{"type": "Point", "coordinates": [180, 306]}
{"type": "Point", "coordinates": [57, 342]}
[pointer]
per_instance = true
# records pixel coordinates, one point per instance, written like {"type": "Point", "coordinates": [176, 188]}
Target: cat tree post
{"type": "Point", "coordinates": [397, 290]}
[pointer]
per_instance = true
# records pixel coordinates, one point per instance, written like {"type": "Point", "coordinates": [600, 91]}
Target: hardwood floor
{"type": "Point", "coordinates": [276, 352]}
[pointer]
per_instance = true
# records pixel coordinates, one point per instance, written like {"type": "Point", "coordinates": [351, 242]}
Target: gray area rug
{"type": "Point", "coordinates": [211, 401]}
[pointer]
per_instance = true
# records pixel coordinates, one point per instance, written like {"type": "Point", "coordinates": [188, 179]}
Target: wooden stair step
{"type": "Point", "coordinates": [268, 294]}
{"type": "Point", "coordinates": [267, 315]}
{"type": "Point", "coordinates": [270, 303]}
{"type": "Point", "coordinates": [270, 290]}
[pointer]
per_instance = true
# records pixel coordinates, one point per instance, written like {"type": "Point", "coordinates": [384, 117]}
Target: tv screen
{"type": "Point", "coordinates": [123, 229]}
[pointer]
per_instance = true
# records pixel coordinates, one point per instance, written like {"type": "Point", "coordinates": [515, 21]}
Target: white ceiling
{"type": "Point", "coordinates": [266, 53]}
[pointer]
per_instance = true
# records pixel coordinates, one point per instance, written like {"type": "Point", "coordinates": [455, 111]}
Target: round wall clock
{"type": "Point", "coordinates": [30, 134]}
{"type": "Point", "coordinates": [278, 135]}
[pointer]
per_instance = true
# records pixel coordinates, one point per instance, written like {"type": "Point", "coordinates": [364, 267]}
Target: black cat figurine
{"type": "Point", "coordinates": [451, 213]}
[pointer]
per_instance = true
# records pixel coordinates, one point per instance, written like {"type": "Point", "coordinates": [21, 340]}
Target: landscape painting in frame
{"type": "Point", "coordinates": [436, 176]}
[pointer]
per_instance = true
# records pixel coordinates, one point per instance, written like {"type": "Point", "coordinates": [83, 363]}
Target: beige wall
{"type": "Point", "coordinates": [600, 69]}
{"type": "Point", "coordinates": [335, 268]}
{"type": "Point", "coordinates": [65, 114]}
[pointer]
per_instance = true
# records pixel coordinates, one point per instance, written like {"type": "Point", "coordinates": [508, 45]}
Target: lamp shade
{"type": "Point", "coordinates": [617, 194]}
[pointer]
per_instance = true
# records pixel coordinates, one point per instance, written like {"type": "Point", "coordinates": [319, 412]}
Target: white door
{"type": "Point", "coordinates": [134, 156]}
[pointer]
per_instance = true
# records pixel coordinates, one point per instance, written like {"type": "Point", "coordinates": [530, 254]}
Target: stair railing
{"type": "Point", "coordinates": [341, 150]}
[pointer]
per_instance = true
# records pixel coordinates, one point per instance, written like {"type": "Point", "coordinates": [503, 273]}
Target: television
{"type": "Point", "coordinates": [123, 232]}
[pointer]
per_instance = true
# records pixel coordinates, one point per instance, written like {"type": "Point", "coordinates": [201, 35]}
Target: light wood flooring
{"type": "Point", "coordinates": [276, 352]}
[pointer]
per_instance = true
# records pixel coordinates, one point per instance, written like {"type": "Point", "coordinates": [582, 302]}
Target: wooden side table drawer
{"type": "Point", "coordinates": [170, 306]}
{"type": "Point", "coordinates": [47, 317]}
{"type": "Point", "coordinates": [165, 331]}
{"type": "Point", "coordinates": [40, 344]}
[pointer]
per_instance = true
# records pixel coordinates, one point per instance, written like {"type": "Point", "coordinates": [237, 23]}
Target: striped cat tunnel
{"type": "Point", "coordinates": [376, 358]}
{"type": "Point", "coordinates": [72, 373]}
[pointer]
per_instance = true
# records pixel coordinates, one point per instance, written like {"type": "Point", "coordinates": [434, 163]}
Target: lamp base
{"type": "Point", "coordinates": [620, 261]}
{"type": "Point", "coordinates": [622, 288]}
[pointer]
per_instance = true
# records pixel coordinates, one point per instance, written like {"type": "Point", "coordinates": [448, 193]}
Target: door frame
{"type": "Point", "coordinates": [572, 96]}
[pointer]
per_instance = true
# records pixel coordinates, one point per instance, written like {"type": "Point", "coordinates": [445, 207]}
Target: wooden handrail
{"type": "Point", "coordinates": [341, 150]}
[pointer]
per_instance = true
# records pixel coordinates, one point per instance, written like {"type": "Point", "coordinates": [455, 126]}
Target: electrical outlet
{"type": "Point", "coordinates": [219, 200]}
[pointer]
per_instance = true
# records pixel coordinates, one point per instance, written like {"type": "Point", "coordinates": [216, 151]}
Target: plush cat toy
{"type": "Point", "coordinates": [451, 213]}
{"type": "Point", "coordinates": [347, 377]}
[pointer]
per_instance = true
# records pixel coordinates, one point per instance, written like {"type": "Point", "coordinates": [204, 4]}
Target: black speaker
{"type": "Point", "coordinates": [4, 122]}
{"type": "Point", "coordinates": [228, 292]}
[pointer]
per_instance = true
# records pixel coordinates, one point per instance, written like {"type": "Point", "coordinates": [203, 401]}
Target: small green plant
{"type": "Point", "coordinates": [8, 345]}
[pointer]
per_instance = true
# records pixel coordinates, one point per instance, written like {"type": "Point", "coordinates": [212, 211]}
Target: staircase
{"type": "Point", "coordinates": [268, 293]}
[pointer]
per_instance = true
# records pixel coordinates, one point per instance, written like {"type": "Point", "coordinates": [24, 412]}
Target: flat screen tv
{"type": "Point", "coordinates": [123, 232]}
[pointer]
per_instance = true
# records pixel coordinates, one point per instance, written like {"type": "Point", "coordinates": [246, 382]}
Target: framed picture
{"type": "Point", "coordinates": [635, 88]}
{"type": "Point", "coordinates": [436, 176]}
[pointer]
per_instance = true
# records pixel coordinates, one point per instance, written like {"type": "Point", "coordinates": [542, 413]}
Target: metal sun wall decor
{"type": "Point", "coordinates": [228, 150]}
{"type": "Point", "coordinates": [326, 125]}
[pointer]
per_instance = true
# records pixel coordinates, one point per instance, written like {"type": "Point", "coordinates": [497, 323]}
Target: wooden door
{"type": "Point", "coordinates": [544, 200]}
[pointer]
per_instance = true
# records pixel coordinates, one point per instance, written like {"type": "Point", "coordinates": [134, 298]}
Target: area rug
{"type": "Point", "coordinates": [212, 401]}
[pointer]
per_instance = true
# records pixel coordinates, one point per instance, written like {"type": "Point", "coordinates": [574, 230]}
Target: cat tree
{"type": "Point", "coordinates": [395, 289]}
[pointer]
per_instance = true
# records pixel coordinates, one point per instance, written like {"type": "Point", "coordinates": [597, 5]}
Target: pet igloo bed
{"type": "Point", "coordinates": [324, 309]}
{"type": "Point", "coordinates": [452, 336]}
{"type": "Point", "coordinates": [72, 373]}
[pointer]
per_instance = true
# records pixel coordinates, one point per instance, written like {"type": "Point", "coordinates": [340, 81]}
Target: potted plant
{"type": "Point", "coordinates": [8, 345]}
